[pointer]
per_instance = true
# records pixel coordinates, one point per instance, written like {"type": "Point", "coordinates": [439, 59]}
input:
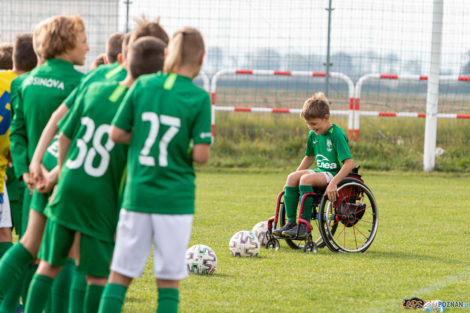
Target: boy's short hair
{"type": "Point", "coordinates": [59, 34]}
{"type": "Point", "coordinates": [146, 27]}
{"type": "Point", "coordinates": [6, 60]}
{"type": "Point", "coordinates": [24, 57]}
{"type": "Point", "coordinates": [146, 56]}
{"type": "Point", "coordinates": [316, 106]}
{"type": "Point", "coordinates": [100, 60]}
{"type": "Point", "coordinates": [114, 47]}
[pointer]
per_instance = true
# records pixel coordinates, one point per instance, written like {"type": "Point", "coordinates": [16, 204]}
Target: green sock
{"type": "Point", "coordinates": [168, 299]}
{"type": "Point", "coordinates": [59, 302]}
{"type": "Point", "coordinates": [4, 246]}
{"type": "Point", "coordinates": [14, 262]}
{"type": "Point", "coordinates": [39, 292]}
{"type": "Point", "coordinates": [308, 202]}
{"type": "Point", "coordinates": [92, 298]}
{"type": "Point", "coordinates": [77, 292]}
{"type": "Point", "coordinates": [27, 277]}
{"type": "Point", "coordinates": [112, 298]}
{"type": "Point", "coordinates": [11, 300]}
{"type": "Point", "coordinates": [291, 198]}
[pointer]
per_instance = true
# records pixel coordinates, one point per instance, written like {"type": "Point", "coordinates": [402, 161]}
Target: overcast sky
{"type": "Point", "coordinates": [300, 26]}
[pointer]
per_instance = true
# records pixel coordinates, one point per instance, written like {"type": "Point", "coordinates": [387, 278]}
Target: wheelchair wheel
{"type": "Point", "coordinates": [352, 220]}
{"type": "Point", "coordinates": [296, 244]}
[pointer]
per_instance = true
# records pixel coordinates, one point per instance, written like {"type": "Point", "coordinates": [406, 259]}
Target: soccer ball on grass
{"type": "Point", "coordinates": [244, 244]}
{"type": "Point", "coordinates": [201, 259]}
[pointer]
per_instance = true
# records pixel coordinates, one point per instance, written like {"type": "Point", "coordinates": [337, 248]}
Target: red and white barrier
{"type": "Point", "coordinates": [340, 76]}
{"type": "Point", "coordinates": [363, 79]}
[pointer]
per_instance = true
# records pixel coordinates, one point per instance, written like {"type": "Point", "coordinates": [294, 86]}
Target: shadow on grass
{"type": "Point", "coordinates": [409, 256]}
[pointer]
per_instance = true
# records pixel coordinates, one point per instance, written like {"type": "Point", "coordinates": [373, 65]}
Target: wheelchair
{"type": "Point", "coordinates": [348, 224]}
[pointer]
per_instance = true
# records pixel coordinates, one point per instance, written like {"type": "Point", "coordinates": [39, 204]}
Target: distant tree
{"type": "Point", "coordinates": [413, 67]}
{"type": "Point", "coordinates": [466, 67]}
{"type": "Point", "coordinates": [266, 59]}
{"type": "Point", "coordinates": [215, 57]}
{"type": "Point", "coordinates": [342, 62]}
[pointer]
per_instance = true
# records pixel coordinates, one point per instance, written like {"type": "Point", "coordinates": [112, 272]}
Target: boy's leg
{"type": "Point", "coordinates": [17, 258]}
{"type": "Point", "coordinates": [171, 237]}
{"type": "Point", "coordinates": [168, 296]}
{"type": "Point", "coordinates": [60, 292]}
{"type": "Point", "coordinates": [77, 292]}
{"type": "Point", "coordinates": [133, 245]}
{"type": "Point", "coordinates": [307, 182]}
{"type": "Point", "coordinates": [40, 287]}
{"type": "Point", "coordinates": [114, 293]}
{"type": "Point", "coordinates": [55, 248]}
{"type": "Point", "coordinates": [95, 258]}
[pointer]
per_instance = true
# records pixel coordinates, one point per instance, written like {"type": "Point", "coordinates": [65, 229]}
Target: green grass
{"type": "Point", "coordinates": [421, 250]}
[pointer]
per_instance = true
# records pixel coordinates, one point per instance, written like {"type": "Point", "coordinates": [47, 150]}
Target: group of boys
{"type": "Point", "coordinates": [92, 104]}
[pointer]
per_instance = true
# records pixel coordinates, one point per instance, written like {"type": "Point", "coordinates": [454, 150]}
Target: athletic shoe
{"type": "Point", "coordinates": [291, 233]}
{"type": "Point", "coordinates": [287, 226]}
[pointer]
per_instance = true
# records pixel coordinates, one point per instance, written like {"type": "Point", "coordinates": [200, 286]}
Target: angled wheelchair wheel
{"type": "Point", "coordinates": [350, 223]}
{"type": "Point", "coordinates": [298, 244]}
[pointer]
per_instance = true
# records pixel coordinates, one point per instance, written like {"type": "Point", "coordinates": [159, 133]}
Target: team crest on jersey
{"type": "Point", "coordinates": [329, 145]}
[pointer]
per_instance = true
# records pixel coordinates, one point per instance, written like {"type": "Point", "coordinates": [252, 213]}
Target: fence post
{"type": "Point", "coordinates": [432, 96]}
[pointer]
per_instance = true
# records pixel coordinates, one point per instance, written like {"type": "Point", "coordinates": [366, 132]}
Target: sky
{"type": "Point", "coordinates": [401, 27]}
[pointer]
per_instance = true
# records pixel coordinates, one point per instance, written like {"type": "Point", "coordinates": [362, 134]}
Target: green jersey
{"type": "Point", "coordinates": [164, 112]}
{"type": "Point", "coordinates": [111, 72]}
{"type": "Point", "coordinates": [87, 195]}
{"type": "Point", "coordinates": [329, 150]}
{"type": "Point", "coordinates": [41, 92]}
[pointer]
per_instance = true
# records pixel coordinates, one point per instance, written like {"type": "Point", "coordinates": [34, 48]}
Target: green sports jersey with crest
{"type": "Point", "coordinates": [330, 149]}
{"type": "Point", "coordinates": [40, 93]}
{"type": "Point", "coordinates": [164, 113]}
{"type": "Point", "coordinates": [87, 195]}
{"type": "Point", "coordinates": [110, 72]}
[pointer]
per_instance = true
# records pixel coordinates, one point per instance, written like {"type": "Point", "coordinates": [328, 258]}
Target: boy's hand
{"type": "Point", "coordinates": [332, 191]}
{"type": "Point", "coordinates": [50, 180]}
{"type": "Point", "coordinates": [29, 182]}
{"type": "Point", "coordinates": [35, 170]}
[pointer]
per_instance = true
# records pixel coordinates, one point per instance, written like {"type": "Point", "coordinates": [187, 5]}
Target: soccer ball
{"type": "Point", "coordinates": [244, 244]}
{"type": "Point", "coordinates": [201, 259]}
{"type": "Point", "coordinates": [260, 231]}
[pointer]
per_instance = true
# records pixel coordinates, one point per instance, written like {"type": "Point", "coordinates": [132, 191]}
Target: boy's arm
{"type": "Point", "coordinates": [45, 140]}
{"type": "Point", "coordinates": [119, 135]}
{"type": "Point", "coordinates": [332, 188]}
{"type": "Point", "coordinates": [201, 153]}
{"type": "Point", "coordinates": [64, 146]}
{"type": "Point", "coordinates": [307, 161]}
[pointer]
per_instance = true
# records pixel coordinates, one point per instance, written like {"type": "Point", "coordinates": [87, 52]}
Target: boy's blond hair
{"type": "Point", "coordinates": [185, 48]}
{"type": "Point", "coordinates": [58, 34]}
{"type": "Point", "coordinates": [316, 106]}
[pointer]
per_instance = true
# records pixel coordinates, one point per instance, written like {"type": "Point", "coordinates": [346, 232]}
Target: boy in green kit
{"type": "Point", "coordinates": [160, 116]}
{"type": "Point", "coordinates": [92, 169]}
{"type": "Point", "coordinates": [61, 43]}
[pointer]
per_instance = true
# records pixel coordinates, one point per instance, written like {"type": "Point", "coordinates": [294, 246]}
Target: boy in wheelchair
{"type": "Point", "coordinates": [327, 144]}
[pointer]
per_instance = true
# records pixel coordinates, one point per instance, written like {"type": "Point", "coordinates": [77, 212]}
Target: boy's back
{"type": "Point", "coordinates": [165, 112]}
{"type": "Point", "coordinates": [87, 192]}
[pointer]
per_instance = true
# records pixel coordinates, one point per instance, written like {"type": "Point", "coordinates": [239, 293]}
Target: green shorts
{"type": "Point", "coordinates": [39, 201]}
{"type": "Point", "coordinates": [95, 255]}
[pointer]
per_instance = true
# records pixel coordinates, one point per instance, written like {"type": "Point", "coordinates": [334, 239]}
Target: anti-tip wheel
{"type": "Point", "coordinates": [310, 247]}
{"type": "Point", "coordinates": [273, 243]}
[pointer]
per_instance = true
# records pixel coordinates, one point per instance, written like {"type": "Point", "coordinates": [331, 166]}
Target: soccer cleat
{"type": "Point", "coordinates": [292, 233]}
{"type": "Point", "coordinates": [287, 226]}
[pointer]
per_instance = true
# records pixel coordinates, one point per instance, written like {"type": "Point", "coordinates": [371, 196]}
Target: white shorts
{"type": "Point", "coordinates": [5, 215]}
{"type": "Point", "coordinates": [134, 237]}
{"type": "Point", "coordinates": [328, 175]}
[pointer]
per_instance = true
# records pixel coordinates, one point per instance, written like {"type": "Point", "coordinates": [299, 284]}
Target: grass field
{"type": "Point", "coordinates": [421, 250]}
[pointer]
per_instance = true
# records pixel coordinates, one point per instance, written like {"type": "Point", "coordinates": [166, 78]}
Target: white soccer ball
{"type": "Point", "coordinates": [260, 231]}
{"type": "Point", "coordinates": [201, 259]}
{"type": "Point", "coordinates": [244, 244]}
